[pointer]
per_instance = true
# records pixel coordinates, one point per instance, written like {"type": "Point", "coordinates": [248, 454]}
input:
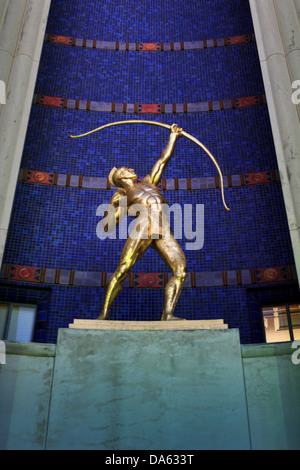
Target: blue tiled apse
{"type": "Point", "coordinates": [55, 226]}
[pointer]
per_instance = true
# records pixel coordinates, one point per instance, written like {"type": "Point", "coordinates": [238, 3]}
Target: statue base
{"type": "Point", "coordinates": [148, 390]}
{"type": "Point", "coordinates": [149, 325]}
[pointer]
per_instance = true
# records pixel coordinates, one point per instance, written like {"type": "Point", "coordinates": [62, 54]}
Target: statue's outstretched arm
{"type": "Point", "coordinates": [158, 168]}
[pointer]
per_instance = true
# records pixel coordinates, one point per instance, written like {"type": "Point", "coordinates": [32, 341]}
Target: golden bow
{"type": "Point", "coordinates": [166, 126]}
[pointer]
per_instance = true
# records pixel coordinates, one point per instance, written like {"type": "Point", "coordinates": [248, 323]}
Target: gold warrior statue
{"type": "Point", "coordinates": [153, 225]}
{"type": "Point", "coordinates": [151, 230]}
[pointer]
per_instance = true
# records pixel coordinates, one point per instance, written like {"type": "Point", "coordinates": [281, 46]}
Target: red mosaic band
{"type": "Point", "coordinates": [24, 273]}
{"type": "Point", "coordinates": [155, 46]}
{"type": "Point", "coordinates": [226, 278]}
{"type": "Point", "coordinates": [154, 280]}
{"type": "Point", "coordinates": [150, 108]}
{"type": "Point", "coordinates": [40, 177]}
{"type": "Point", "coordinates": [149, 46]}
{"type": "Point", "coordinates": [188, 183]}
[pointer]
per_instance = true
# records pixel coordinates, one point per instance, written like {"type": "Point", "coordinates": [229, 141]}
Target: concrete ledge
{"type": "Point", "coordinates": [266, 350]}
{"type": "Point", "coordinates": [148, 325]}
{"type": "Point", "coordinates": [30, 349]}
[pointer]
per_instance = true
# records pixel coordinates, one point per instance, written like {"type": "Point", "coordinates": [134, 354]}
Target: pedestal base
{"type": "Point", "coordinates": [148, 390]}
{"type": "Point", "coordinates": [149, 325]}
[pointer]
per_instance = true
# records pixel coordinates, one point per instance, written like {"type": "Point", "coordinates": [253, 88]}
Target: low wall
{"type": "Point", "coordinates": [272, 384]}
{"type": "Point", "coordinates": [149, 390]}
{"type": "Point", "coordinates": [25, 390]}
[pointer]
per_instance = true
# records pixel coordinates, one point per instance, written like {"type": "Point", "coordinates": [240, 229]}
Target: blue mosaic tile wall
{"type": "Point", "coordinates": [53, 227]}
{"type": "Point", "coordinates": [150, 20]}
{"type": "Point", "coordinates": [61, 223]}
{"type": "Point", "coordinates": [116, 76]}
{"type": "Point", "coordinates": [240, 141]}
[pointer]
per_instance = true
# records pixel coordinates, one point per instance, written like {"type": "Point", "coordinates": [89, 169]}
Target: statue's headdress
{"type": "Point", "coordinates": [111, 176]}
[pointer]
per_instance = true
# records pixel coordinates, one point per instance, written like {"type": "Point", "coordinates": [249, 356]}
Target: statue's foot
{"type": "Point", "coordinates": [102, 317]}
{"type": "Point", "coordinates": [171, 318]}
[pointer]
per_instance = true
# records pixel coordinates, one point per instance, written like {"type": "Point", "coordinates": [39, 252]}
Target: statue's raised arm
{"type": "Point", "coordinates": [160, 165]}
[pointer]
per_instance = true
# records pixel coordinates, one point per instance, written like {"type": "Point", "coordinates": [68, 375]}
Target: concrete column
{"type": "Point", "coordinates": [290, 33]}
{"type": "Point", "coordinates": [22, 30]}
{"type": "Point", "coordinates": [278, 39]}
{"type": "Point", "coordinates": [297, 7]}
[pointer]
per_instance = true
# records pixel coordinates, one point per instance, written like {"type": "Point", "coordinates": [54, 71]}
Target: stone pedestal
{"type": "Point", "coordinates": [148, 390]}
{"type": "Point", "coordinates": [149, 325]}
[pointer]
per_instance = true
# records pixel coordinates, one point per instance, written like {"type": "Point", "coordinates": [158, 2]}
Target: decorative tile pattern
{"type": "Point", "coordinates": [41, 177]}
{"type": "Point", "coordinates": [261, 177]}
{"type": "Point", "coordinates": [135, 108]}
{"type": "Point", "coordinates": [172, 184]}
{"type": "Point", "coordinates": [50, 101]}
{"type": "Point", "coordinates": [55, 38]}
{"type": "Point", "coordinates": [149, 280]}
{"type": "Point", "coordinates": [277, 274]}
{"type": "Point", "coordinates": [155, 280]}
{"type": "Point", "coordinates": [149, 46]}
{"type": "Point", "coordinates": [149, 108]}
{"type": "Point", "coordinates": [25, 274]}
{"type": "Point", "coordinates": [242, 39]}
{"type": "Point", "coordinates": [249, 101]}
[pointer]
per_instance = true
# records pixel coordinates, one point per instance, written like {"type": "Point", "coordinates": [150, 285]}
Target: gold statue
{"type": "Point", "coordinates": [150, 232]}
{"type": "Point", "coordinates": [152, 227]}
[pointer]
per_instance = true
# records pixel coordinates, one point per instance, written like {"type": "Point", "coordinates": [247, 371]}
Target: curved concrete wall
{"type": "Point", "coordinates": [277, 31]}
{"type": "Point", "coordinates": [22, 30]}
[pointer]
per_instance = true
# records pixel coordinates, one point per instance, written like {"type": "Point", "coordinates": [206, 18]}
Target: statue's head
{"type": "Point", "coordinates": [118, 175]}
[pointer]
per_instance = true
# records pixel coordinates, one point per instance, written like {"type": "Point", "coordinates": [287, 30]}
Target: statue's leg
{"type": "Point", "coordinates": [132, 251]}
{"type": "Point", "coordinates": [171, 252]}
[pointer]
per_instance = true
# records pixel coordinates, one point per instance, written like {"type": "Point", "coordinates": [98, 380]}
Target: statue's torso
{"type": "Point", "coordinates": [156, 215]}
{"type": "Point", "coordinates": [146, 194]}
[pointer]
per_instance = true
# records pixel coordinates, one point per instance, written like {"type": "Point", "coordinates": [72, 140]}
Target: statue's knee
{"type": "Point", "coordinates": [181, 274]}
{"type": "Point", "coordinates": [121, 273]}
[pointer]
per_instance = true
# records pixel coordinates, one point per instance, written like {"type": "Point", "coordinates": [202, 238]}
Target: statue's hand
{"type": "Point", "coordinates": [175, 129]}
